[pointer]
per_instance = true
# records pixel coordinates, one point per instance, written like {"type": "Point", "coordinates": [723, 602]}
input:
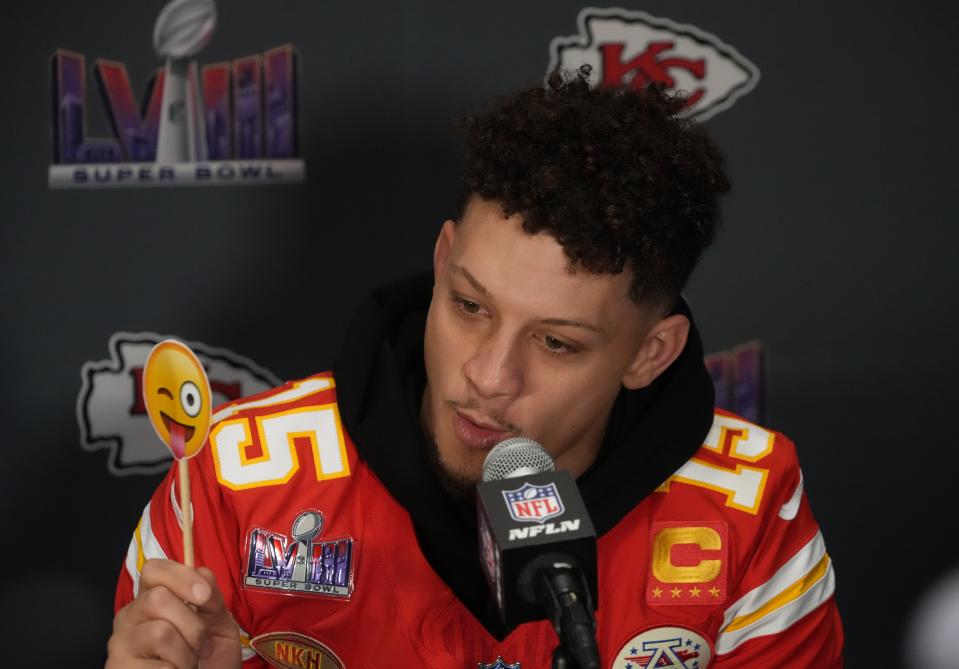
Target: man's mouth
{"type": "Point", "coordinates": [478, 433]}
{"type": "Point", "coordinates": [180, 434]}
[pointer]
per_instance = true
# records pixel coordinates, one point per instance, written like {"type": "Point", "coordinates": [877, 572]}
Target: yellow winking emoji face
{"type": "Point", "coordinates": [177, 396]}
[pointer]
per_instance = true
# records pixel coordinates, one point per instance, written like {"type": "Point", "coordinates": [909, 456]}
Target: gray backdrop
{"type": "Point", "coordinates": [838, 253]}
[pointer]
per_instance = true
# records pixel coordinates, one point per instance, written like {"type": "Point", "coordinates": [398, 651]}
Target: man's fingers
{"type": "Point", "coordinates": [214, 607]}
{"type": "Point", "coordinates": [158, 603]}
{"type": "Point", "coordinates": [156, 640]}
{"type": "Point", "coordinates": [224, 639]}
{"type": "Point", "coordinates": [178, 617]}
{"type": "Point", "coordinates": [182, 581]}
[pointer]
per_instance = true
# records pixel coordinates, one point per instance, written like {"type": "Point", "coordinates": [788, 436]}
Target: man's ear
{"type": "Point", "coordinates": [662, 345]}
{"type": "Point", "coordinates": [443, 247]}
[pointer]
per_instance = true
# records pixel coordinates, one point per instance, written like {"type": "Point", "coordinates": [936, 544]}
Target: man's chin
{"type": "Point", "coordinates": [458, 483]}
{"type": "Point", "coordinates": [461, 489]}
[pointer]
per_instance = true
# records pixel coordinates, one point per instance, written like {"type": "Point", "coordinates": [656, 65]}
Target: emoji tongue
{"type": "Point", "coordinates": [177, 439]}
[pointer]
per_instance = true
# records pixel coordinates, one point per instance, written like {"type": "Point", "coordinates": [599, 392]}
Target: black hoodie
{"type": "Point", "coordinates": [380, 379]}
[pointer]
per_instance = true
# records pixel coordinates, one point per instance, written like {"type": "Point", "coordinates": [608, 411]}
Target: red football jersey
{"type": "Point", "coordinates": [722, 566]}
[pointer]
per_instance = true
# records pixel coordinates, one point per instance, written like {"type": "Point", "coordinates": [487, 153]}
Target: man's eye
{"type": "Point", "coordinates": [554, 344]}
{"type": "Point", "coordinates": [468, 307]}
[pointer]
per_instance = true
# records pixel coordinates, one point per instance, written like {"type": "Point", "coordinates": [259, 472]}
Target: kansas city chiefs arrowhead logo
{"type": "Point", "coordinates": [110, 408]}
{"type": "Point", "coordinates": [635, 49]}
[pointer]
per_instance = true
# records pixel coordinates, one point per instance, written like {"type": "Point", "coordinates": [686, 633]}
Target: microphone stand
{"type": "Point", "coordinates": [559, 658]}
{"type": "Point", "coordinates": [564, 594]}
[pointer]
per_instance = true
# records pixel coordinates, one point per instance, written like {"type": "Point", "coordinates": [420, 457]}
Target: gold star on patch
{"type": "Point", "coordinates": [657, 592]}
{"type": "Point", "coordinates": [714, 591]}
{"type": "Point", "coordinates": [676, 592]}
{"type": "Point", "coordinates": [694, 591]}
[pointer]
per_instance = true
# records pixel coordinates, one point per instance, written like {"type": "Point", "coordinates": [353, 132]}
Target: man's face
{"type": "Point", "coordinates": [517, 344]}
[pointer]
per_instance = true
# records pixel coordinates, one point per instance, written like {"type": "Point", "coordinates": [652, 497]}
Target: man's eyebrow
{"type": "Point", "coordinates": [480, 288]}
{"type": "Point", "coordinates": [572, 323]}
{"type": "Point", "coordinates": [465, 273]}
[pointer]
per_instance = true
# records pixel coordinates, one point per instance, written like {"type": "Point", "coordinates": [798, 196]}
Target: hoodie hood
{"type": "Point", "coordinates": [380, 379]}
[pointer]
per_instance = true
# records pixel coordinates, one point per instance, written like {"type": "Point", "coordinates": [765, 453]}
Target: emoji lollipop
{"type": "Point", "coordinates": [177, 395]}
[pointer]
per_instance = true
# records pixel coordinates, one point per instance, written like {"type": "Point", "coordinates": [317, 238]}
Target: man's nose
{"type": "Point", "coordinates": [495, 368]}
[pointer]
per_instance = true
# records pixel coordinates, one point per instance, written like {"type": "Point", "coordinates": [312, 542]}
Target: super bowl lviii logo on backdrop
{"type": "Point", "coordinates": [225, 123]}
{"type": "Point", "coordinates": [737, 376]}
{"type": "Point", "coordinates": [111, 411]}
{"type": "Point", "coordinates": [631, 48]}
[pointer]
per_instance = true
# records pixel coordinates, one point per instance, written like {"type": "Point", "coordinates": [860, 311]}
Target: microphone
{"type": "Point", "coordinates": [538, 547]}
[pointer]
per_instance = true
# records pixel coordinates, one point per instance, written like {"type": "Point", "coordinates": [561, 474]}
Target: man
{"type": "Point", "coordinates": [334, 515]}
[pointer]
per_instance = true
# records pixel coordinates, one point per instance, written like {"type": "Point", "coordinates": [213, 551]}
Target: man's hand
{"type": "Point", "coordinates": [160, 629]}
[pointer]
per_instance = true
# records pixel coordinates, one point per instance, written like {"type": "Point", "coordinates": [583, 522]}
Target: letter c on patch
{"type": "Point", "coordinates": [705, 538]}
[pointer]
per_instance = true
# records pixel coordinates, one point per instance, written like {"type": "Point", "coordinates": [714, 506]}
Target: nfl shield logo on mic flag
{"type": "Point", "coordinates": [534, 503]}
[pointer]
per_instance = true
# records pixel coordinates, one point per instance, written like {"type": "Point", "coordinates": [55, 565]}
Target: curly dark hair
{"type": "Point", "coordinates": [616, 175]}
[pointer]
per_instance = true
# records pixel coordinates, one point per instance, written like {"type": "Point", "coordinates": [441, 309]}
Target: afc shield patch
{"type": "Point", "coordinates": [664, 648]}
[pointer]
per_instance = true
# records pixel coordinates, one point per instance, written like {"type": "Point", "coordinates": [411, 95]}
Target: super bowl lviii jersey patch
{"type": "Point", "coordinates": [301, 564]}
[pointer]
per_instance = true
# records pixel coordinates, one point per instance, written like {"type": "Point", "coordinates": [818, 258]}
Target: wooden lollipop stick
{"type": "Point", "coordinates": [186, 508]}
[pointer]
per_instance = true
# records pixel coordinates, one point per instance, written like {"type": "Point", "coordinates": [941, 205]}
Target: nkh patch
{"type": "Point", "coordinates": [498, 664]}
{"type": "Point", "coordinates": [688, 563]}
{"type": "Point", "coordinates": [303, 565]}
{"type": "Point", "coordinates": [291, 650]}
{"type": "Point", "coordinates": [534, 503]}
{"type": "Point", "coordinates": [664, 648]}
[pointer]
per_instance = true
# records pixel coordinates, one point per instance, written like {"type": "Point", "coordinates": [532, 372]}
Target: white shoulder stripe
{"type": "Point", "coordinates": [144, 546]}
{"type": "Point", "coordinates": [798, 587]}
{"type": "Point", "coordinates": [783, 617]}
{"type": "Point", "coordinates": [791, 508]}
{"type": "Point", "coordinates": [131, 563]}
{"type": "Point", "coordinates": [798, 566]}
{"type": "Point", "coordinates": [246, 650]}
{"type": "Point", "coordinates": [299, 389]}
